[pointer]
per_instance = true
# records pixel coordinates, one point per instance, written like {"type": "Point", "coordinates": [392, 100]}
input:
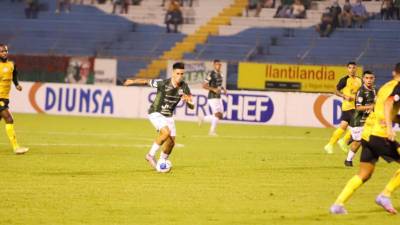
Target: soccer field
{"type": "Point", "coordinates": [82, 170]}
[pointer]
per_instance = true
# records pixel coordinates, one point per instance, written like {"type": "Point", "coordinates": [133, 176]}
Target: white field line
{"type": "Point", "coordinates": [130, 136]}
{"type": "Point", "coordinates": [136, 137]}
{"type": "Point", "coordinates": [28, 144]}
{"type": "Point", "coordinates": [91, 145]}
{"type": "Point", "coordinates": [178, 145]}
{"type": "Point", "coordinates": [265, 137]}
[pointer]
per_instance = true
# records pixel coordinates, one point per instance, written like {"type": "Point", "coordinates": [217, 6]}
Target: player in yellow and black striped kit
{"type": "Point", "coordinates": [8, 74]}
{"type": "Point", "coordinates": [378, 141]}
{"type": "Point", "coordinates": [347, 89]}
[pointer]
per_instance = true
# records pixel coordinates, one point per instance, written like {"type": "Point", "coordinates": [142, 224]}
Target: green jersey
{"type": "Point", "coordinates": [167, 96]}
{"type": "Point", "coordinates": [214, 80]}
{"type": "Point", "coordinates": [364, 97]}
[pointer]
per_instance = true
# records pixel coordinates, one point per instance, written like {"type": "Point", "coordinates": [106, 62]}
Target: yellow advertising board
{"type": "Point", "coordinates": [289, 77]}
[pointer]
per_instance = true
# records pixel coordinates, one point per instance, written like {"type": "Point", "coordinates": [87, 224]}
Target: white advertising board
{"type": "Point", "coordinates": [250, 107]}
{"type": "Point", "coordinates": [67, 99]}
{"type": "Point", "coordinates": [242, 107]}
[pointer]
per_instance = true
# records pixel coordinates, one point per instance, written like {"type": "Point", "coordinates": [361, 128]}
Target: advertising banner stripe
{"type": "Point", "coordinates": [32, 97]}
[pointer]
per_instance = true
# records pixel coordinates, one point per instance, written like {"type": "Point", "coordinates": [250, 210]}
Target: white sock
{"type": "Point", "coordinates": [154, 149]}
{"type": "Point", "coordinates": [214, 122]}
{"type": "Point", "coordinates": [163, 155]}
{"type": "Point", "coordinates": [350, 155]}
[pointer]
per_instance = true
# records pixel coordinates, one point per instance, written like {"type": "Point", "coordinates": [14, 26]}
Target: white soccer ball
{"type": "Point", "coordinates": [163, 165]}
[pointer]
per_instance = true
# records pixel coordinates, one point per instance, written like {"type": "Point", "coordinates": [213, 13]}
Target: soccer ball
{"type": "Point", "coordinates": [163, 165]}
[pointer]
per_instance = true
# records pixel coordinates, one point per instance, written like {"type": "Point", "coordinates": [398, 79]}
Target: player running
{"type": "Point", "coordinates": [169, 93]}
{"type": "Point", "coordinates": [381, 144]}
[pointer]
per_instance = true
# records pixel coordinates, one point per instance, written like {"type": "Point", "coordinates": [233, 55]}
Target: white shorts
{"type": "Point", "coordinates": [216, 105]}
{"type": "Point", "coordinates": [356, 133]}
{"type": "Point", "coordinates": [159, 121]}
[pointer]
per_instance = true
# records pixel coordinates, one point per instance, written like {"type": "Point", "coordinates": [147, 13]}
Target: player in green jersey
{"type": "Point", "coordinates": [169, 93]}
{"type": "Point", "coordinates": [365, 100]}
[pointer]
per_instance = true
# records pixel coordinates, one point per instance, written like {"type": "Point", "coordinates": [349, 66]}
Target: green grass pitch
{"type": "Point", "coordinates": [84, 170]}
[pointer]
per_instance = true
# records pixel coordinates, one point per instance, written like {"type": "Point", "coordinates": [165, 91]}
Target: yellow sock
{"type": "Point", "coordinates": [347, 136]}
{"type": "Point", "coordinates": [11, 135]}
{"type": "Point", "coordinates": [352, 185]}
{"type": "Point", "coordinates": [336, 135]}
{"type": "Point", "coordinates": [393, 184]}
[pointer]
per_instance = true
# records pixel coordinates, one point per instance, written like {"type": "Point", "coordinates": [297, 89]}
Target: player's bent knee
{"type": "Point", "coordinates": [165, 132]}
{"type": "Point", "coordinates": [218, 115]}
{"type": "Point", "coordinates": [365, 176]}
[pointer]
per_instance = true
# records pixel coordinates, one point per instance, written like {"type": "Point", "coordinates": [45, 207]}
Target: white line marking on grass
{"type": "Point", "coordinates": [263, 137]}
{"type": "Point", "coordinates": [129, 136]}
{"type": "Point", "coordinates": [73, 133]}
{"type": "Point", "coordinates": [91, 145]}
{"type": "Point", "coordinates": [135, 137]}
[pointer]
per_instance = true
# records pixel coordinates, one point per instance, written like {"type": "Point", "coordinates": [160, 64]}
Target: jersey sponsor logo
{"type": "Point", "coordinates": [165, 107]}
{"type": "Point", "coordinates": [66, 99]}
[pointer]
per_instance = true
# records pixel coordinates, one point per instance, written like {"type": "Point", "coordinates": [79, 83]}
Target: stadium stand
{"type": "Point", "coordinates": [91, 30]}
{"type": "Point", "coordinates": [295, 41]}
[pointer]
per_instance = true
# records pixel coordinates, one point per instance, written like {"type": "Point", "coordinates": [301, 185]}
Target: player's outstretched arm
{"type": "Point", "coordinates": [136, 81]}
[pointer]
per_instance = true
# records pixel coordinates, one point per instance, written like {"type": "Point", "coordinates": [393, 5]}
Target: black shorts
{"type": "Point", "coordinates": [347, 115]}
{"type": "Point", "coordinates": [4, 104]}
{"type": "Point", "coordinates": [379, 147]}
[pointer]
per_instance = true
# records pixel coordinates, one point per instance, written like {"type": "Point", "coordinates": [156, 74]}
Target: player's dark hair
{"type": "Point", "coordinates": [216, 61]}
{"type": "Point", "coordinates": [351, 63]}
{"type": "Point", "coordinates": [368, 72]}
{"type": "Point", "coordinates": [178, 65]}
{"type": "Point", "coordinates": [397, 68]}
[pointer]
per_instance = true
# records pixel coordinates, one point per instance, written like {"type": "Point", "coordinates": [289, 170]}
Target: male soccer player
{"type": "Point", "coordinates": [365, 100]}
{"type": "Point", "coordinates": [213, 83]}
{"type": "Point", "coordinates": [347, 89]}
{"type": "Point", "coordinates": [8, 73]}
{"type": "Point", "coordinates": [169, 93]}
{"type": "Point", "coordinates": [381, 144]}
